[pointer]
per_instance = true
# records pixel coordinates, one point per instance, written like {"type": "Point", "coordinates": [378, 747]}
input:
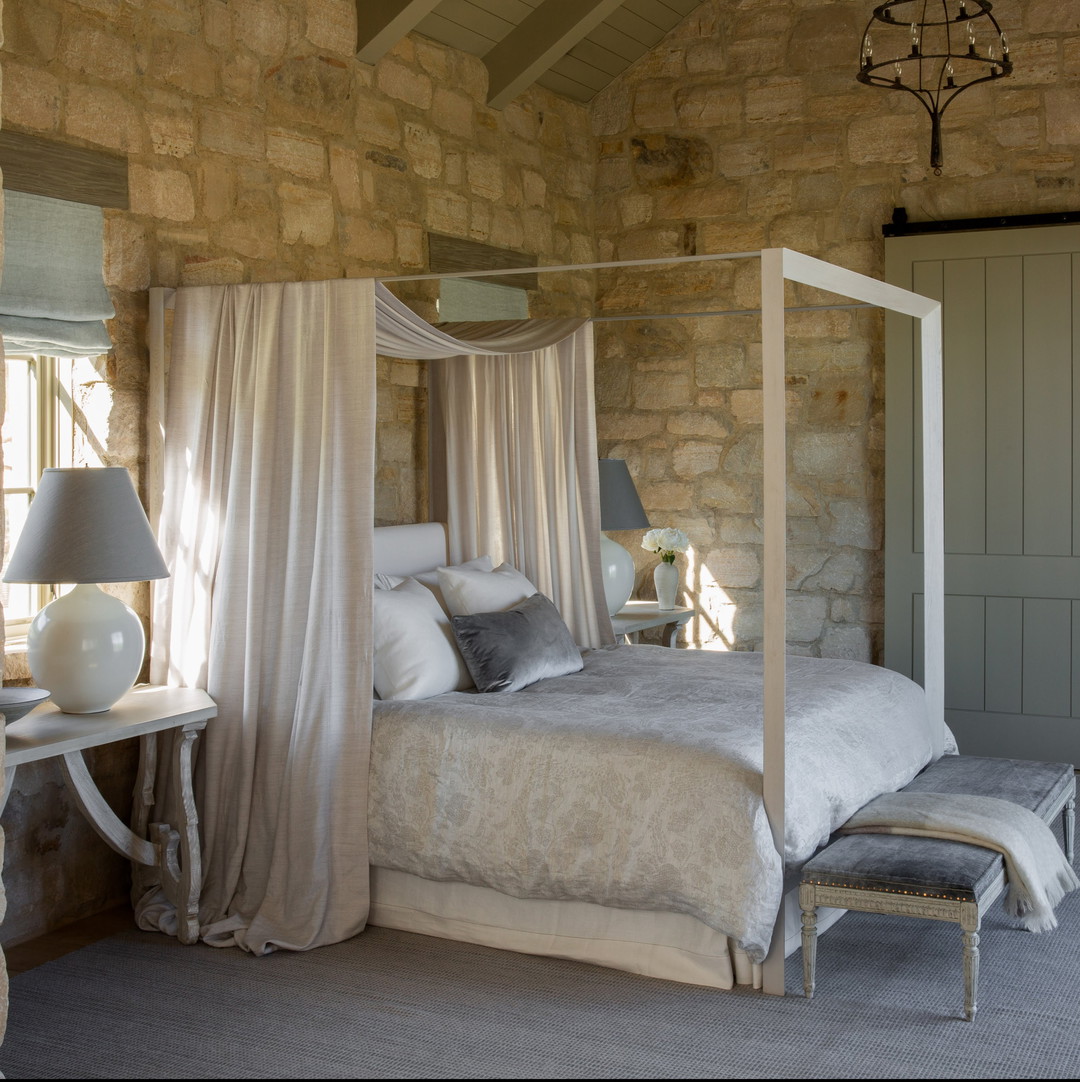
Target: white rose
{"type": "Point", "coordinates": [651, 541]}
{"type": "Point", "coordinates": [673, 540]}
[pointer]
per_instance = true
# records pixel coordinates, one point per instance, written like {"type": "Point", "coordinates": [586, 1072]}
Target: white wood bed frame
{"type": "Point", "coordinates": [778, 266]}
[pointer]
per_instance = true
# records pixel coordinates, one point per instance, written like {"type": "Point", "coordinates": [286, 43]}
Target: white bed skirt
{"type": "Point", "coordinates": [672, 946]}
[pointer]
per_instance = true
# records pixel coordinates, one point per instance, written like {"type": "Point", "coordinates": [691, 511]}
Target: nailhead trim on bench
{"type": "Point", "coordinates": [889, 890]}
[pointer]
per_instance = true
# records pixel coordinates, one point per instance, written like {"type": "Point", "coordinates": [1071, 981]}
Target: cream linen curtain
{"type": "Point", "coordinates": [266, 520]}
{"type": "Point", "coordinates": [513, 449]}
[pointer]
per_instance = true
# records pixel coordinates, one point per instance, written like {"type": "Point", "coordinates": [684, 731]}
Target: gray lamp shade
{"type": "Point", "coordinates": [86, 526]}
{"type": "Point", "coordinates": [620, 505]}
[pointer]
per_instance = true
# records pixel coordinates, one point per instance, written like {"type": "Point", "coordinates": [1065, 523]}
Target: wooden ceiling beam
{"type": "Point", "coordinates": [381, 24]}
{"type": "Point", "coordinates": [545, 35]}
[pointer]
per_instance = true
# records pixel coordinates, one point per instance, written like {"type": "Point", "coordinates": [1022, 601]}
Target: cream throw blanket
{"type": "Point", "coordinates": [1038, 873]}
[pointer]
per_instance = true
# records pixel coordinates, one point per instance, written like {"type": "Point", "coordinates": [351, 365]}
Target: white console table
{"type": "Point", "coordinates": [47, 732]}
{"type": "Point", "coordinates": [637, 616]}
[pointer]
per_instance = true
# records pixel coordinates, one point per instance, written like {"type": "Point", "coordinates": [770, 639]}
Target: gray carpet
{"type": "Point", "coordinates": [395, 1005]}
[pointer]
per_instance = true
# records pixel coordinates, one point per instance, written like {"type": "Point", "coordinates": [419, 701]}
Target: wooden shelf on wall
{"type": "Point", "coordinates": [62, 171]}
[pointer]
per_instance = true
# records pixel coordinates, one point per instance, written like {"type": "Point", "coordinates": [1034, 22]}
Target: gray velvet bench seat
{"type": "Point", "coordinates": [934, 878]}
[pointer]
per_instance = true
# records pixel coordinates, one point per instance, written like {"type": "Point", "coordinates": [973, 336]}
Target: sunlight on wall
{"type": "Point", "coordinates": [713, 628]}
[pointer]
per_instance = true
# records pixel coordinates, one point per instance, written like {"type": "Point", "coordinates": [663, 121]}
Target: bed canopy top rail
{"type": "Point", "coordinates": [778, 266]}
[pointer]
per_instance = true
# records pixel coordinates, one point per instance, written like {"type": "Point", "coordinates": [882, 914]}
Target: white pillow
{"type": "Point", "coordinates": [467, 591]}
{"type": "Point", "coordinates": [416, 655]}
{"type": "Point", "coordinates": [430, 579]}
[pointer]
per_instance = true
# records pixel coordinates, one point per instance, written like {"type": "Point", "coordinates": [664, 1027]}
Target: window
{"type": "Point", "coordinates": [40, 429]}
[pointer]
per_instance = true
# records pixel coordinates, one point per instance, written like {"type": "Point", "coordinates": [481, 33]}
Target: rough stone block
{"type": "Point", "coordinates": [232, 131]}
{"type": "Point", "coordinates": [126, 253]}
{"type": "Point", "coordinates": [709, 106]}
{"type": "Point", "coordinates": [181, 61]}
{"type": "Point", "coordinates": [447, 212]}
{"type": "Point", "coordinates": [849, 643]}
{"type": "Point", "coordinates": [403, 83]}
{"type": "Point", "coordinates": [424, 149]}
{"type": "Point", "coordinates": [103, 116]}
{"type": "Point", "coordinates": [1063, 116]}
{"type": "Point", "coordinates": [454, 112]}
{"type": "Point", "coordinates": [367, 241]}
{"type": "Point", "coordinates": [303, 156]}
{"type": "Point", "coordinates": [376, 121]}
{"type": "Point", "coordinates": [485, 174]}
{"type": "Point", "coordinates": [693, 457]}
{"type": "Point", "coordinates": [307, 215]}
{"type": "Point", "coordinates": [161, 193]}
{"type": "Point", "coordinates": [172, 134]}
{"type": "Point", "coordinates": [735, 566]}
{"type": "Point", "coordinates": [774, 99]}
{"type": "Point", "coordinates": [330, 24]}
{"type": "Point", "coordinates": [806, 615]}
{"type": "Point", "coordinates": [31, 97]}
{"type": "Point", "coordinates": [260, 25]}
{"type": "Point", "coordinates": [883, 139]}
{"type": "Point", "coordinates": [97, 52]}
{"type": "Point", "coordinates": [410, 244]}
{"type": "Point", "coordinates": [206, 270]}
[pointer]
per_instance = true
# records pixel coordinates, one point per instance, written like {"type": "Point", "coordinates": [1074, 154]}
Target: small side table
{"type": "Point", "coordinates": [47, 732]}
{"type": "Point", "coordinates": [637, 616]}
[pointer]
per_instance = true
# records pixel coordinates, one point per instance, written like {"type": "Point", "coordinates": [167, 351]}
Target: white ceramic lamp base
{"type": "Point", "coordinates": [618, 569]}
{"type": "Point", "coordinates": [87, 648]}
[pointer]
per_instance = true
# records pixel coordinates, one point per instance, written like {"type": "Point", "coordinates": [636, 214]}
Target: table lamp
{"type": "Point", "coordinates": [86, 526]}
{"type": "Point", "coordinates": [620, 509]}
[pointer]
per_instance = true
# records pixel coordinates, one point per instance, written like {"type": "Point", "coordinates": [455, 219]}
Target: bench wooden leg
{"type": "Point", "coordinates": [809, 938]}
{"type": "Point", "coordinates": [970, 921]}
{"type": "Point", "coordinates": [1068, 827]}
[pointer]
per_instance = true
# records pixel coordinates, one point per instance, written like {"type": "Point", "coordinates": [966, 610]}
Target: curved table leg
{"type": "Point", "coordinates": [182, 871]}
{"type": "Point", "coordinates": [175, 853]}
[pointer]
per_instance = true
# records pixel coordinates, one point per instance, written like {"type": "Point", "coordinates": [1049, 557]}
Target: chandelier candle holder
{"type": "Point", "coordinates": [933, 49]}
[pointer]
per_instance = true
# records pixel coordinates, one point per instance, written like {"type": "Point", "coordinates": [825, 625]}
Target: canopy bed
{"type": "Point", "coordinates": [266, 513]}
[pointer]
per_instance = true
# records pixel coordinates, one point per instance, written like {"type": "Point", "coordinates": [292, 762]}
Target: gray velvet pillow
{"type": "Point", "coordinates": [506, 651]}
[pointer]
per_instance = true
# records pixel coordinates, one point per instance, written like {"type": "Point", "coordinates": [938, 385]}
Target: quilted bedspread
{"type": "Point", "coordinates": [636, 782]}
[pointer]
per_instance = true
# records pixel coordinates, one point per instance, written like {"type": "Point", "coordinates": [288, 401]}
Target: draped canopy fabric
{"type": "Point", "coordinates": [514, 468]}
{"type": "Point", "coordinates": [400, 332]}
{"type": "Point", "coordinates": [267, 512]}
{"type": "Point", "coordinates": [267, 500]}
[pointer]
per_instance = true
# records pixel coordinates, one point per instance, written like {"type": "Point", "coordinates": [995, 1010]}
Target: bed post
{"type": "Point", "coordinates": [933, 485]}
{"type": "Point", "coordinates": [774, 425]}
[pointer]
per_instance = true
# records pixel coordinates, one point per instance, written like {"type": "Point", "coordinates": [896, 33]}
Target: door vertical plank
{"type": "Point", "coordinates": [1004, 406]}
{"type": "Point", "coordinates": [965, 652]}
{"type": "Point", "coordinates": [1047, 656]}
{"type": "Point", "coordinates": [1004, 644]}
{"type": "Point", "coordinates": [1048, 514]}
{"type": "Point", "coordinates": [964, 324]}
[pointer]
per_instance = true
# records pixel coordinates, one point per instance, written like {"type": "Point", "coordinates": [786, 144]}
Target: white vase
{"type": "Point", "coordinates": [666, 579]}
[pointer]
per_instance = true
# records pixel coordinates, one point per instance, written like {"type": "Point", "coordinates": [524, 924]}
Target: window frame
{"type": "Point", "coordinates": [52, 416]}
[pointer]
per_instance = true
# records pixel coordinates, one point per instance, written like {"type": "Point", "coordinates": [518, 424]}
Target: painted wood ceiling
{"type": "Point", "coordinates": [573, 47]}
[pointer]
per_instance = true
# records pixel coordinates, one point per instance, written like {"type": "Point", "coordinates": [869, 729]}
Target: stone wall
{"type": "Point", "coordinates": [259, 149]}
{"type": "Point", "coordinates": [745, 128]}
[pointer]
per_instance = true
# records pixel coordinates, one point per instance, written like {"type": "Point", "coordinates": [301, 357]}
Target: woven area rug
{"type": "Point", "coordinates": [395, 1005]}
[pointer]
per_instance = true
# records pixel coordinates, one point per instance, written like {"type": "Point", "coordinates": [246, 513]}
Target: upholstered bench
{"type": "Point", "coordinates": [931, 877]}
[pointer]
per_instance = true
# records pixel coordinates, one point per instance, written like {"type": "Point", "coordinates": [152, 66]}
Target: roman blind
{"type": "Point", "coordinates": [52, 295]}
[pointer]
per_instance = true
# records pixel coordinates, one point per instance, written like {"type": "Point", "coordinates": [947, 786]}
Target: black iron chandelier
{"type": "Point", "coordinates": [933, 49]}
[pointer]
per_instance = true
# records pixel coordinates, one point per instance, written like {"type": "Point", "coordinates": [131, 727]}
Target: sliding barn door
{"type": "Point", "coordinates": [1011, 311]}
